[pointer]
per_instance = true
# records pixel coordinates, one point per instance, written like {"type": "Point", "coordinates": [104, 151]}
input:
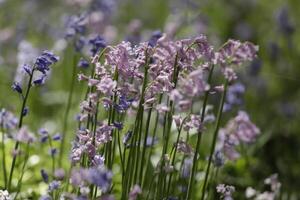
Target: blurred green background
{"type": "Point", "coordinates": [272, 81]}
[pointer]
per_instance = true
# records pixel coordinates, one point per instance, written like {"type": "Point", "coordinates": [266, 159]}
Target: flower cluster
{"type": "Point", "coordinates": [270, 194]}
{"type": "Point", "coordinates": [226, 191]}
{"type": "Point", "coordinates": [238, 130]}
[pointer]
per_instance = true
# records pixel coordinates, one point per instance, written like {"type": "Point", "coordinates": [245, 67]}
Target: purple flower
{"type": "Point", "coordinates": [40, 81]}
{"type": "Point", "coordinates": [103, 134]}
{"type": "Point", "coordinates": [234, 96]}
{"type": "Point", "coordinates": [56, 137]}
{"type": "Point", "coordinates": [218, 159]}
{"type": "Point", "coordinates": [97, 43]}
{"type": "Point", "coordinates": [44, 135]}
{"type": "Point", "coordinates": [17, 87]}
{"type": "Point", "coordinates": [100, 177]}
{"type": "Point", "coordinates": [7, 119]}
{"type": "Point", "coordinates": [184, 148]}
{"type": "Point", "coordinates": [154, 37]}
{"type": "Point", "coordinates": [54, 185]}
{"type": "Point", "coordinates": [76, 25]}
{"type": "Point", "coordinates": [24, 135]}
{"type": "Point", "coordinates": [134, 192]}
{"type": "Point", "coordinates": [83, 63]}
{"type": "Point", "coordinates": [25, 111]}
{"type": "Point", "coordinates": [226, 191]}
{"type": "Point", "coordinates": [127, 137]}
{"type": "Point", "coordinates": [53, 151]}
{"type": "Point", "coordinates": [59, 174]}
{"type": "Point", "coordinates": [118, 125]}
{"type": "Point", "coordinates": [53, 58]}
{"type": "Point", "coordinates": [27, 69]}
{"type": "Point", "coordinates": [98, 160]}
{"type": "Point", "coordinates": [284, 22]}
{"type": "Point", "coordinates": [186, 168]}
{"type": "Point", "coordinates": [44, 175]}
{"type": "Point", "coordinates": [238, 130]}
{"type": "Point", "coordinates": [106, 86]}
{"type": "Point", "coordinates": [44, 61]}
{"type": "Point", "coordinates": [45, 197]}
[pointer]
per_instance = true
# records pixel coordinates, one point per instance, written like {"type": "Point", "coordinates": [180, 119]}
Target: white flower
{"type": "Point", "coordinates": [4, 195]}
{"type": "Point", "coordinates": [250, 192]}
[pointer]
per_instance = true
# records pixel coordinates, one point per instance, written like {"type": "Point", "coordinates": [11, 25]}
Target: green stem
{"type": "Point", "coordinates": [52, 156]}
{"type": "Point", "coordinates": [67, 111]}
{"type": "Point", "coordinates": [212, 149]}
{"type": "Point", "coordinates": [19, 126]}
{"type": "Point", "coordinates": [23, 170]}
{"type": "Point", "coordinates": [174, 155]}
{"type": "Point", "coordinates": [144, 145]}
{"type": "Point", "coordinates": [153, 136]}
{"type": "Point", "coordinates": [4, 157]}
{"type": "Point", "coordinates": [195, 163]}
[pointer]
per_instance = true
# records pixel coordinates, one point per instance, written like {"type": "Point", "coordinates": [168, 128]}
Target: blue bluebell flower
{"type": "Point", "coordinates": [83, 63]}
{"type": "Point", "coordinates": [127, 137]}
{"type": "Point", "coordinates": [17, 87]}
{"type": "Point", "coordinates": [154, 37]}
{"type": "Point", "coordinates": [44, 135]}
{"type": "Point", "coordinates": [218, 159]}
{"type": "Point", "coordinates": [27, 69]}
{"type": "Point", "coordinates": [50, 56]}
{"type": "Point", "coordinates": [123, 105]}
{"type": "Point", "coordinates": [54, 185]}
{"type": "Point", "coordinates": [44, 61]}
{"type": "Point", "coordinates": [100, 176]}
{"type": "Point", "coordinates": [53, 151]}
{"type": "Point", "coordinates": [45, 197]}
{"type": "Point", "coordinates": [56, 137]}
{"type": "Point", "coordinates": [118, 125]}
{"type": "Point", "coordinates": [76, 25]}
{"type": "Point", "coordinates": [44, 175]}
{"type": "Point", "coordinates": [40, 80]}
{"type": "Point", "coordinates": [97, 43]}
{"type": "Point", "coordinates": [7, 119]}
{"type": "Point", "coordinates": [79, 44]}
{"type": "Point", "coordinates": [25, 111]}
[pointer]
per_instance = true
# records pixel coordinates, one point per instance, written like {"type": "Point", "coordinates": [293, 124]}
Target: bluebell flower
{"type": "Point", "coordinates": [83, 63]}
{"type": "Point", "coordinates": [42, 64]}
{"type": "Point", "coordinates": [44, 138]}
{"type": "Point", "coordinates": [17, 87]}
{"type": "Point", "coordinates": [44, 175]}
{"type": "Point", "coordinates": [56, 137]}
{"type": "Point", "coordinates": [118, 125]}
{"type": "Point", "coordinates": [54, 185]}
{"type": "Point", "coordinates": [27, 69]}
{"type": "Point", "coordinates": [43, 131]}
{"type": "Point", "coordinates": [7, 119]}
{"type": "Point", "coordinates": [100, 177]}
{"type": "Point", "coordinates": [44, 135]}
{"type": "Point", "coordinates": [50, 56]}
{"type": "Point", "coordinates": [44, 61]}
{"type": "Point", "coordinates": [76, 25]}
{"type": "Point", "coordinates": [97, 43]}
{"type": "Point", "coordinates": [45, 197]}
{"type": "Point", "coordinates": [284, 22]}
{"type": "Point", "coordinates": [79, 44]}
{"type": "Point", "coordinates": [127, 137]}
{"type": "Point", "coordinates": [218, 159]}
{"type": "Point", "coordinates": [154, 37]}
{"type": "Point", "coordinates": [40, 80]}
{"type": "Point", "coordinates": [25, 111]}
{"type": "Point", "coordinates": [234, 96]}
{"type": "Point", "coordinates": [123, 105]}
{"type": "Point", "coordinates": [53, 151]}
